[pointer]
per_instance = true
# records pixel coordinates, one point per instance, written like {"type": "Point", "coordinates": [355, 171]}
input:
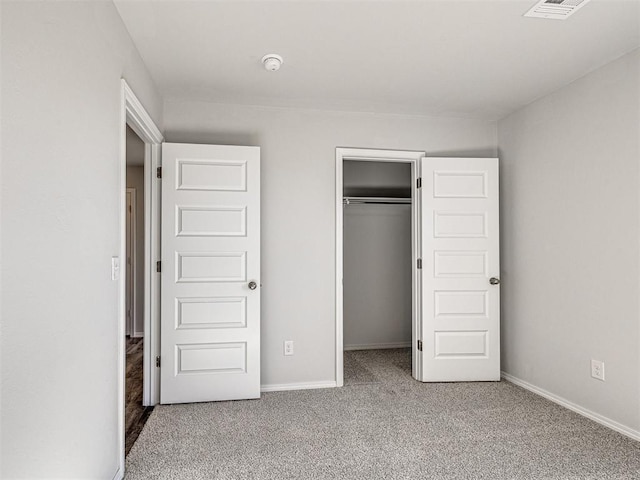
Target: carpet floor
{"type": "Point", "coordinates": [382, 425]}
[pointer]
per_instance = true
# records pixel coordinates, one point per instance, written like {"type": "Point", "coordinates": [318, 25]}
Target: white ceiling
{"type": "Point", "coordinates": [479, 59]}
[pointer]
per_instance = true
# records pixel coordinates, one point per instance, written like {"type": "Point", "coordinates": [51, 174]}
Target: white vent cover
{"type": "Point", "coordinates": [556, 9]}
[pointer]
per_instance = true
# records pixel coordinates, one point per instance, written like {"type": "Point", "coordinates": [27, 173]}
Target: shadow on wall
{"type": "Point", "coordinates": [253, 139]}
{"type": "Point", "coordinates": [481, 153]}
{"type": "Point", "coordinates": [214, 138]}
{"type": "Point", "coordinates": [506, 249]}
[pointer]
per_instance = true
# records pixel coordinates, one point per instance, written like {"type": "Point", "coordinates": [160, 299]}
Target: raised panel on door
{"type": "Point", "coordinates": [460, 251]}
{"type": "Point", "coordinates": [210, 252]}
{"type": "Point", "coordinates": [211, 312]}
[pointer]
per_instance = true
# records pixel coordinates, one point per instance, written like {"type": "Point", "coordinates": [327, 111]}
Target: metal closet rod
{"type": "Point", "coordinates": [376, 200]}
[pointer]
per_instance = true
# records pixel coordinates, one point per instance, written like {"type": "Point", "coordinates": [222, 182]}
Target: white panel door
{"type": "Point", "coordinates": [210, 327]}
{"type": "Point", "coordinates": [460, 270]}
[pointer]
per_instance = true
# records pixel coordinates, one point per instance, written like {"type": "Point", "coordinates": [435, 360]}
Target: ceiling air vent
{"type": "Point", "coordinates": [555, 9]}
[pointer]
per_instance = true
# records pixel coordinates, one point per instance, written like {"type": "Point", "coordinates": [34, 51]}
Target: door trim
{"type": "Point", "coordinates": [375, 155]}
{"type": "Point", "coordinates": [132, 113]}
{"type": "Point", "coordinates": [133, 291]}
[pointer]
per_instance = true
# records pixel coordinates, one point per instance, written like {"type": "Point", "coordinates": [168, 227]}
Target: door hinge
{"type": "Point", "coordinates": [419, 346]}
{"type": "Point", "coordinates": [419, 263]}
{"type": "Point", "coordinates": [159, 172]}
{"type": "Point", "coordinates": [158, 361]}
{"type": "Point", "coordinates": [419, 182]}
{"type": "Point", "coordinates": [158, 266]}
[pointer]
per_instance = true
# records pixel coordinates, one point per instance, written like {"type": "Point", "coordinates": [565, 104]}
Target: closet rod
{"type": "Point", "coordinates": [376, 200]}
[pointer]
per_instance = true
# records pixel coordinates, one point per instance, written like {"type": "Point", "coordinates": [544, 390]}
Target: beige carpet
{"type": "Point", "coordinates": [382, 425]}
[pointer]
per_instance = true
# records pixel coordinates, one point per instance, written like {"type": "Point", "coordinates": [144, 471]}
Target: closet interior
{"type": "Point", "coordinates": [377, 252]}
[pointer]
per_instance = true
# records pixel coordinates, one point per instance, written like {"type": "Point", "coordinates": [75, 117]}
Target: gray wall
{"type": "Point", "coordinates": [298, 208]}
{"type": "Point", "coordinates": [61, 68]}
{"type": "Point", "coordinates": [377, 256]}
{"type": "Point", "coordinates": [135, 179]}
{"type": "Point", "coordinates": [570, 241]}
{"type": "Point", "coordinates": [377, 275]}
{"type": "Point", "coordinates": [380, 179]}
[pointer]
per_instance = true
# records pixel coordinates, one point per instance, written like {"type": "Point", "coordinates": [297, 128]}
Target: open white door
{"type": "Point", "coordinates": [210, 327]}
{"type": "Point", "coordinates": [460, 270]}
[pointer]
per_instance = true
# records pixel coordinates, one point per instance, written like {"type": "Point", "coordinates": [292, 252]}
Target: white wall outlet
{"type": "Point", "coordinates": [597, 369]}
{"type": "Point", "coordinates": [288, 347]}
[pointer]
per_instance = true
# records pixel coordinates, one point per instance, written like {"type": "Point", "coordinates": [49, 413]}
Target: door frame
{"type": "Point", "coordinates": [133, 114]}
{"type": "Point", "coordinates": [134, 270]}
{"type": "Point", "coordinates": [376, 155]}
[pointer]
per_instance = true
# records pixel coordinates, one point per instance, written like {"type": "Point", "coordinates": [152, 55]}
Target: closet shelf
{"type": "Point", "coordinates": [376, 200]}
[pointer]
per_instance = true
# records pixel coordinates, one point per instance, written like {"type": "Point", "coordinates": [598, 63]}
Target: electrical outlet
{"type": "Point", "coordinates": [597, 369]}
{"type": "Point", "coordinates": [288, 347]}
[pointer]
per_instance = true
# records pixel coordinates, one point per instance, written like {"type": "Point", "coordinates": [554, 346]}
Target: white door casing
{"type": "Point", "coordinates": [359, 154]}
{"type": "Point", "coordinates": [210, 327]}
{"type": "Point", "coordinates": [130, 261]}
{"type": "Point", "coordinates": [460, 255]}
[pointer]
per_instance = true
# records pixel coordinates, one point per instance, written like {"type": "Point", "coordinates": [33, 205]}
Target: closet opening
{"type": "Point", "coordinates": [377, 265]}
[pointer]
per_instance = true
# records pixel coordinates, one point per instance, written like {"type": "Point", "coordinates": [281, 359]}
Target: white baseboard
{"type": "Point", "coordinates": [377, 346]}
{"type": "Point", "coordinates": [596, 417]}
{"type": "Point", "coordinates": [137, 335]}
{"type": "Point", "coordinates": [119, 475]}
{"type": "Point", "coordinates": [296, 386]}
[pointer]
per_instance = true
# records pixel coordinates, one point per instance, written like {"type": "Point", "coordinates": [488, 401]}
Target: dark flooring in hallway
{"type": "Point", "coordinates": [135, 414]}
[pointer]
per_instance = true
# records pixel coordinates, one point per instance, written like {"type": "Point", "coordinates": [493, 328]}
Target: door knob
{"type": "Point", "coordinates": [252, 285]}
{"type": "Point", "coordinates": [494, 281]}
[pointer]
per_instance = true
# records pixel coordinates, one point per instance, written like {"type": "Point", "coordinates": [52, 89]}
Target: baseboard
{"type": "Point", "coordinates": [119, 474]}
{"type": "Point", "coordinates": [137, 335]}
{"type": "Point", "coordinates": [296, 386]}
{"type": "Point", "coordinates": [596, 417]}
{"type": "Point", "coordinates": [377, 346]}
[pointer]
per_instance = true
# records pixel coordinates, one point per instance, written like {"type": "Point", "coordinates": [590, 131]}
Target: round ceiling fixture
{"type": "Point", "coordinates": [272, 62]}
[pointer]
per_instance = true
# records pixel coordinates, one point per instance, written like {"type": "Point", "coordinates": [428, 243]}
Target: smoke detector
{"type": "Point", "coordinates": [272, 62]}
{"type": "Point", "coordinates": [556, 9]}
